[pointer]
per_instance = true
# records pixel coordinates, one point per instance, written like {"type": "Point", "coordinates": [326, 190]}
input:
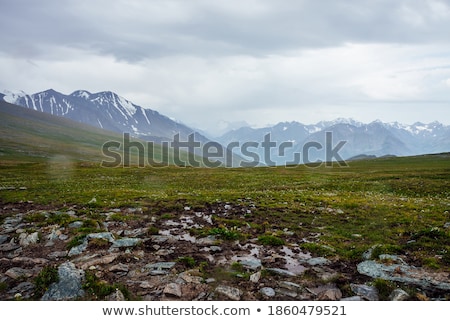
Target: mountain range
{"type": "Point", "coordinates": [105, 110]}
{"type": "Point", "coordinates": [109, 111]}
{"type": "Point", "coordinates": [359, 140]}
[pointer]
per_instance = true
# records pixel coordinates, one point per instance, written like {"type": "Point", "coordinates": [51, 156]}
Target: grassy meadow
{"type": "Point", "coordinates": [400, 204]}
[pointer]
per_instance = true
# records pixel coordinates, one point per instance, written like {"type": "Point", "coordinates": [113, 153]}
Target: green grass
{"type": "Point", "coordinates": [270, 240]}
{"type": "Point", "coordinates": [99, 290]}
{"type": "Point", "coordinates": [27, 136]}
{"type": "Point", "coordinates": [400, 203]}
{"type": "Point", "coordinates": [47, 276]}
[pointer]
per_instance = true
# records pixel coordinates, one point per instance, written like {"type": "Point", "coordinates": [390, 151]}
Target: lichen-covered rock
{"type": "Point", "coordinates": [69, 286]}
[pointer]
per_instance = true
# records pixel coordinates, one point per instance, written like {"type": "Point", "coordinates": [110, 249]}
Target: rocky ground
{"type": "Point", "coordinates": [131, 253]}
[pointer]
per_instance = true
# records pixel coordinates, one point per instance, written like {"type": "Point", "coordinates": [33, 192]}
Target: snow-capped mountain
{"type": "Point", "coordinates": [105, 110]}
{"type": "Point", "coordinates": [376, 138]}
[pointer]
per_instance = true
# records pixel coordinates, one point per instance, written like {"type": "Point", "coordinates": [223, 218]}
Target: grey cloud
{"type": "Point", "coordinates": [151, 29]}
{"type": "Point", "coordinates": [203, 61]}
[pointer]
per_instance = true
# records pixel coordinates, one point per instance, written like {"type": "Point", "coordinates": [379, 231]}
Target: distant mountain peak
{"type": "Point", "coordinates": [81, 93]}
{"type": "Point", "coordinates": [11, 96]}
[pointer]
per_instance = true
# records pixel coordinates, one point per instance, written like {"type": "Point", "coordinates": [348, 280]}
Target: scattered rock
{"type": "Point", "coordinates": [126, 242]}
{"type": "Point", "coordinates": [286, 292]}
{"type": "Point", "coordinates": [116, 296]}
{"type": "Point", "coordinates": [399, 295]}
{"type": "Point", "coordinates": [8, 247]}
{"type": "Point", "coordinates": [209, 240]}
{"type": "Point", "coordinates": [29, 260]}
{"type": "Point", "coordinates": [27, 239]}
{"type": "Point", "coordinates": [255, 277]}
{"type": "Point", "coordinates": [103, 235]}
{"type": "Point", "coordinates": [281, 272]}
{"type": "Point", "coordinates": [159, 239]}
{"type": "Point", "coordinates": [149, 273]}
{"type": "Point", "coordinates": [269, 292]}
{"type": "Point", "coordinates": [318, 261]}
{"type": "Point", "coordinates": [24, 289]}
{"type": "Point", "coordinates": [187, 277]}
{"type": "Point", "coordinates": [250, 263]}
{"type": "Point", "coordinates": [230, 292]}
{"type": "Point", "coordinates": [58, 254]}
{"type": "Point", "coordinates": [352, 298]}
{"type": "Point", "coordinates": [17, 272]}
{"type": "Point", "coordinates": [76, 224]}
{"type": "Point", "coordinates": [87, 262]}
{"type": "Point", "coordinates": [119, 268]}
{"type": "Point", "coordinates": [366, 292]}
{"type": "Point", "coordinates": [77, 250]}
{"type": "Point", "coordinates": [68, 286]}
{"type": "Point", "coordinates": [405, 274]}
{"type": "Point", "coordinates": [290, 286]}
{"type": "Point", "coordinates": [173, 289]}
{"type": "Point", "coordinates": [3, 239]}
{"type": "Point", "coordinates": [160, 268]}
{"type": "Point", "coordinates": [333, 294]}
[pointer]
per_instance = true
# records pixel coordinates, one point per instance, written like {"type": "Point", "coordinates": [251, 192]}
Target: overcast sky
{"type": "Point", "coordinates": [211, 62]}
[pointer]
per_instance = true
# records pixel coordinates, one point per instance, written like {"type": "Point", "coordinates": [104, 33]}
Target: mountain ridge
{"type": "Point", "coordinates": [376, 138]}
{"type": "Point", "coordinates": [106, 110]}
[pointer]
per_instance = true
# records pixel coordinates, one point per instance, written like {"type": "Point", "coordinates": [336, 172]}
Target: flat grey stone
{"type": "Point", "coordinates": [399, 295]}
{"type": "Point", "coordinates": [159, 272]}
{"type": "Point", "coordinates": [58, 254]}
{"type": "Point", "coordinates": [209, 240]}
{"type": "Point", "coordinates": [8, 247]}
{"type": "Point", "coordinates": [318, 261]}
{"type": "Point", "coordinates": [76, 224]}
{"type": "Point", "coordinates": [267, 291]}
{"type": "Point", "coordinates": [230, 292]}
{"type": "Point", "coordinates": [281, 272]}
{"type": "Point", "coordinates": [3, 239]}
{"type": "Point", "coordinates": [250, 263]}
{"type": "Point", "coordinates": [159, 238]}
{"type": "Point", "coordinates": [126, 242]}
{"type": "Point", "coordinates": [121, 267]}
{"type": "Point", "coordinates": [409, 274]}
{"type": "Point", "coordinates": [17, 272]}
{"type": "Point", "coordinates": [160, 266]}
{"type": "Point", "coordinates": [102, 235]}
{"type": "Point", "coordinates": [286, 292]}
{"type": "Point", "coordinates": [332, 294]}
{"type": "Point", "coordinates": [68, 287]}
{"type": "Point", "coordinates": [22, 289]}
{"type": "Point", "coordinates": [352, 298]}
{"type": "Point", "coordinates": [367, 292]}
{"type": "Point", "coordinates": [290, 286]}
{"type": "Point", "coordinates": [77, 250]}
{"type": "Point", "coordinates": [173, 289]}
{"type": "Point", "coordinates": [27, 239]}
{"type": "Point", "coordinates": [116, 296]}
{"type": "Point", "coordinates": [255, 277]}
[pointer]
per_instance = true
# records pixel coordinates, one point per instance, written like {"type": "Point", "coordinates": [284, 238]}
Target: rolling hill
{"type": "Point", "coordinates": [29, 135]}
